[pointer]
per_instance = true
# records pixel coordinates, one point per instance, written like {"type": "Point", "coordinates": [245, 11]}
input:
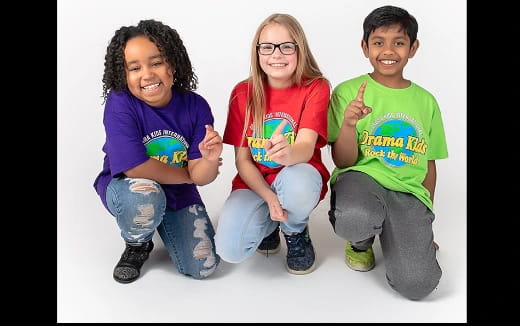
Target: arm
{"type": "Point", "coordinates": [159, 172]}
{"type": "Point", "coordinates": [431, 178]}
{"type": "Point", "coordinates": [205, 169]}
{"type": "Point", "coordinates": [429, 183]}
{"type": "Point", "coordinates": [250, 174]}
{"type": "Point", "coordinates": [345, 149]}
{"type": "Point", "coordinates": [303, 147]}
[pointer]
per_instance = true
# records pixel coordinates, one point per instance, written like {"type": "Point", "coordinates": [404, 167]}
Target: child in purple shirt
{"type": "Point", "coordinates": [160, 145]}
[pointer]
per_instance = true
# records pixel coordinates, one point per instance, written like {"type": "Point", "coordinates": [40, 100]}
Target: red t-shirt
{"type": "Point", "coordinates": [302, 107]}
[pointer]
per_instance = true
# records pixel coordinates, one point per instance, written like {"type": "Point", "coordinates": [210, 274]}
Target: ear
{"type": "Point", "coordinates": [413, 48]}
{"type": "Point", "coordinates": [364, 47]}
{"type": "Point", "coordinates": [171, 68]}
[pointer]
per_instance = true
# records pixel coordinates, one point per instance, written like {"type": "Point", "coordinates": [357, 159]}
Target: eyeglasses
{"type": "Point", "coordinates": [269, 48]}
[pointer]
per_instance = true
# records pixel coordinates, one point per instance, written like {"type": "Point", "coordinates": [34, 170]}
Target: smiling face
{"type": "Point", "coordinates": [148, 76]}
{"type": "Point", "coordinates": [388, 50]}
{"type": "Point", "coordinates": [278, 67]}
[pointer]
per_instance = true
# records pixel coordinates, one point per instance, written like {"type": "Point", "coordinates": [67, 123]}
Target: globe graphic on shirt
{"type": "Point", "coordinates": [269, 128]}
{"type": "Point", "coordinates": [167, 150]}
{"type": "Point", "coordinates": [396, 129]}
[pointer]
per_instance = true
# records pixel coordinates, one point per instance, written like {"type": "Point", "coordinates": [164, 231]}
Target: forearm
{"type": "Point", "coordinates": [431, 179]}
{"type": "Point", "coordinates": [203, 171]}
{"type": "Point", "coordinates": [345, 149]}
{"type": "Point", "coordinates": [250, 174]}
{"type": "Point", "coordinates": [300, 153]}
{"type": "Point", "coordinates": [162, 173]}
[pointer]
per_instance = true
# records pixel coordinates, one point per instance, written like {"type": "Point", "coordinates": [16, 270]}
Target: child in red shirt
{"type": "Point", "coordinates": [277, 122]}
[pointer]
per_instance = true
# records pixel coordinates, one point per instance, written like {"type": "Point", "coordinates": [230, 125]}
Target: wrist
{"type": "Point", "coordinates": [211, 161]}
{"type": "Point", "coordinates": [348, 125]}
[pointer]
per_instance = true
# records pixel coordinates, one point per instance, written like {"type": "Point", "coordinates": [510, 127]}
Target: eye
{"type": "Point", "coordinates": [378, 43]}
{"type": "Point", "coordinates": [133, 69]}
{"type": "Point", "coordinates": [266, 46]}
{"type": "Point", "coordinates": [399, 43]}
{"type": "Point", "coordinates": [287, 46]}
{"type": "Point", "coordinates": [157, 63]}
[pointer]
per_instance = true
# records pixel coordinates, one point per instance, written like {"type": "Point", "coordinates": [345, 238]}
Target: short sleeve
{"type": "Point", "coordinates": [123, 144]}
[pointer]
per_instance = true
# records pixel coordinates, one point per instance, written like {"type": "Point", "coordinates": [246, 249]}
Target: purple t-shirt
{"type": "Point", "coordinates": [136, 131]}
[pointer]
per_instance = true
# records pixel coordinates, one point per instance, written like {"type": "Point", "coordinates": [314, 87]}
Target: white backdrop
{"type": "Point", "coordinates": [217, 35]}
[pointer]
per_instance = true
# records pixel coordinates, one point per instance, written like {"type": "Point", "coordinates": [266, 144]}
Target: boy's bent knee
{"type": "Point", "coordinates": [415, 287]}
{"type": "Point", "coordinates": [353, 225]}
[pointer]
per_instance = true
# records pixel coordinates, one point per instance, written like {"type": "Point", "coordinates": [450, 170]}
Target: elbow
{"type": "Point", "coordinates": [203, 181]}
{"type": "Point", "coordinates": [132, 173]}
{"type": "Point", "coordinates": [342, 164]}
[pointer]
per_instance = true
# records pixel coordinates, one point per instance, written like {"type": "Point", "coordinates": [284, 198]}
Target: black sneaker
{"type": "Point", "coordinates": [129, 266]}
{"type": "Point", "coordinates": [300, 253]}
{"type": "Point", "coordinates": [271, 243]}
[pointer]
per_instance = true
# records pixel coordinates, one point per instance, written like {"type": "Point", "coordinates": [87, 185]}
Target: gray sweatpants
{"type": "Point", "coordinates": [360, 209]}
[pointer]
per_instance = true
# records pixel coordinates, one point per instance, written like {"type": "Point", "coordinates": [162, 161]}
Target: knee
{"type": "Point", "coordinates": [201, 262]}
{"type": "Point", "coordinates": [228, 250]}
{"type": "Point", "coordinates": [354, 222]}
{"type": "Point", "coordinates": [415, 286]}
{"type": "Point", "coordinates": [149, 200]}
{"type": "Point", "coordinates": [299, 188]}
{"type": "Point", "coordinates": [208, 267]}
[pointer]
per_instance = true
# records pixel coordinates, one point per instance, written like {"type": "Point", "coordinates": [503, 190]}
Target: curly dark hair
{"type": "Point", "coordinates": [167, 41]}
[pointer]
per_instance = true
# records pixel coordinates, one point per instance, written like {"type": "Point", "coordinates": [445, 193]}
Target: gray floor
{"type": "Point", "coordinates": [257, 290]}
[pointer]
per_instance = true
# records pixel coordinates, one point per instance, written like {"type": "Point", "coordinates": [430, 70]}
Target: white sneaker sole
{"type": "Point", "coordinates": [358, 268]}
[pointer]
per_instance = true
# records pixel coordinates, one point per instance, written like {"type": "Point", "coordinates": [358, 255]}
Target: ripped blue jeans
{"type": "Point", "coordinates": [187, 233]}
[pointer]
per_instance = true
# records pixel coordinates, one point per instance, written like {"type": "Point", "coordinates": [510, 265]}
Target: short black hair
{"type": "Point", "coordinates": [167, 41]}
{"type": "Point", "coordinates": [387, 16]}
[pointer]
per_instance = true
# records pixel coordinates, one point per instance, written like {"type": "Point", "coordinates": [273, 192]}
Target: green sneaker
{"type": "Point", "coordinates": [362, 261]}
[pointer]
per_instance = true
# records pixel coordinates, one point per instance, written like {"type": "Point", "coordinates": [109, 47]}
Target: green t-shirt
{"type": "Point", "coordinates": [397, 139]}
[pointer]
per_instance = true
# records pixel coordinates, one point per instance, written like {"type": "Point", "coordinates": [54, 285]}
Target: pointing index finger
{"type": "Point", "coordinates": [280, 127]}
{"type": "Point", "coordinates": [361, 91]}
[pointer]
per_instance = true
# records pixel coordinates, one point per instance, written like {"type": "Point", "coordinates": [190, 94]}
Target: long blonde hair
{"type": "Point", "coordinates": [306, 70]}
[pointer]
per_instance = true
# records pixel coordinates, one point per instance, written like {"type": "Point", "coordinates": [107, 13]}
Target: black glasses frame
{"type": "Point", "coordinates": [276, 46]}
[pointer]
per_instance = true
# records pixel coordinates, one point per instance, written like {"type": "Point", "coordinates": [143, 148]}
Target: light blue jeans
{"type": "Point", "coordinates": [139, 207]}
{"type": "Point", "coordinates": [245, 221]}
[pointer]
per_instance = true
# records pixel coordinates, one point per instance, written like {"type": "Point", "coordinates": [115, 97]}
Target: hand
{"type": "Point", "coordinates": [356, 109]}
{"type": "Point", "coordinates": [277, 147]}
{"type": "Point", "coordinates": [277, 212]}
{"type": "Point", "coordinates": [211, 146]}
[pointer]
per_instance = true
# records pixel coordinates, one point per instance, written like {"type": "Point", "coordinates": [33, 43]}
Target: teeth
{"type": "Point", "coordinates": [388, 62]}
{"type": "Point", "coordinates": [278, 64]}
{"type": "Point", "coordinates": [151, 86]}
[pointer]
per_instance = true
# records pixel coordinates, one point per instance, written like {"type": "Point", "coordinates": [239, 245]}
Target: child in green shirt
{"type": "Point", "coordinates": [386, 133]}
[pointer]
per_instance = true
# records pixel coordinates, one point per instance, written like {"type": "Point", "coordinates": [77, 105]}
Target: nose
{"type": "Point", "coordinates": [146, 72]}
{"type": "Point", "coordinates": [277, 47]}
{"type": "Point", "coordinates": [388, 50]}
